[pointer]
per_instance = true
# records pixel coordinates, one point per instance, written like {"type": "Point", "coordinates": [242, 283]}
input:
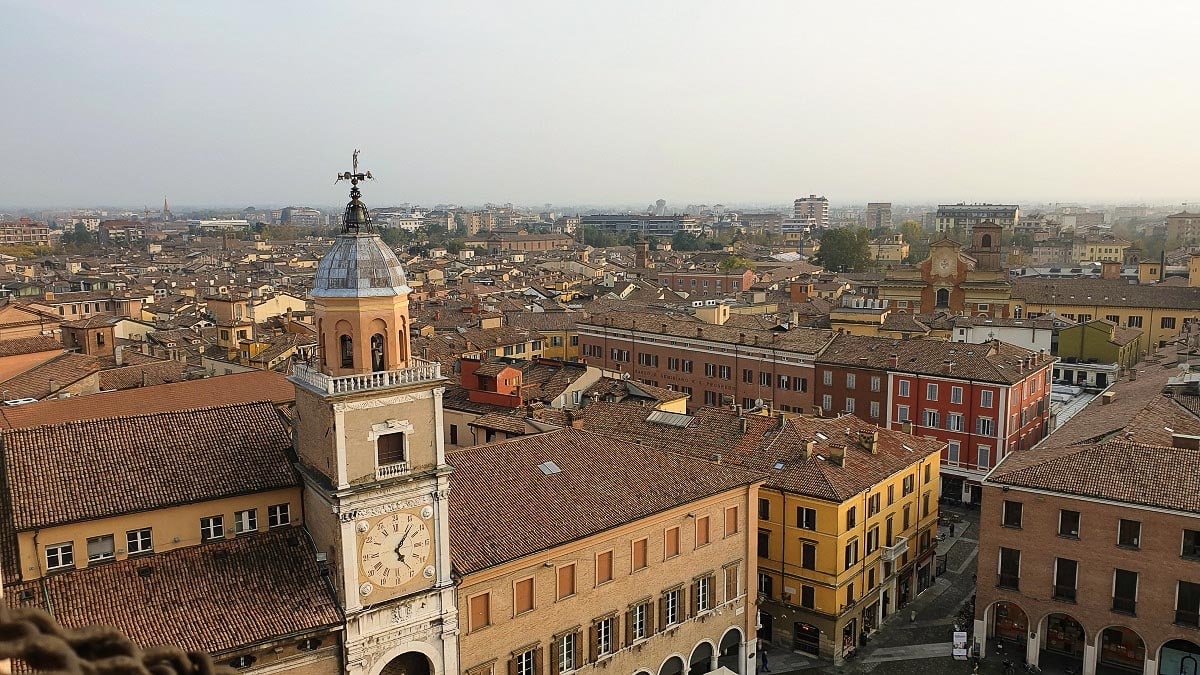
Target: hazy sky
{"type": "Point", "coordinates": [240, 103]}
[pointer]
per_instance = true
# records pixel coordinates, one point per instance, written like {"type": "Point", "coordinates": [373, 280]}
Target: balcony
{"type": "Point", "coordinates": [1009, 581]}
{"type": "Point", "coordinates": [1124, 605]}
{"type": "Point", "coordinates": [312, 378]}
{"type": "Point", "coordinates": [1064, 593]}
{"type": "Point", "coordinates": [391, 470]}
{"type": "Point", "coordinates": [895, 551]}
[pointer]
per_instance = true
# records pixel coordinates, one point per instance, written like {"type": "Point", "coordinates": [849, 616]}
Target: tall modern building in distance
{"type": "Point", "coordinates": [879, 215]}
{"type": "Point", "coordinates": [965, 216]}
{"type": "Point", "coordinates": [812, 209]}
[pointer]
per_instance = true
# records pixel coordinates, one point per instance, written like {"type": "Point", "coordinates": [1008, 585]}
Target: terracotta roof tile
{"type": "Point", "coordinates": [63, 370]}
{"type": "Point", "coordinates": [29, 345]}
{"type": "Point", "coordinates": [99, 468]}
{"type": "Point", "coordinates": [504, 507]}
{"type": "Point", "coordinates": [212, 391]}
{"type": "Point", "coordinates": [214, 598]}
{"type": "Point", "coordinates": [987, 362]}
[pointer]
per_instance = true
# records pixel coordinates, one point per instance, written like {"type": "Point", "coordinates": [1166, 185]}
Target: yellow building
{"type": "Point", "coordinates": [832, 561]}
{"type": "Point", "coordinates": [559, 338]}
{"type": "Point", "coordinates": [660, 585]}
{"type": "Point", "coordinates": [889, 249]}
{"type": "Point", "coordinates": [1099, 249]}
{"type": "Point", "coordinates": [1158, 311]}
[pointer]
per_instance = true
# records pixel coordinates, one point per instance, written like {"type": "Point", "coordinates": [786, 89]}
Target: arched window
{"type": "Point", "coordinates": [987, 241]}
{"type": "Point", "coordinates": [377, 360]}
{"type": "Point", "coordinates": [347, 345]}
{"type": "Point", "coordinates": [943, 297]}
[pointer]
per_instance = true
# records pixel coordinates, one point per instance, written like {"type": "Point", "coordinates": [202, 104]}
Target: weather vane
{"type": "Point", "coordinates": [356, 215]}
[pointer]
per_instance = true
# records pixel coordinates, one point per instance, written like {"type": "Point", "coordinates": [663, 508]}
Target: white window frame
{"type": "Point", "coordinates": [929, 418]}
{"type": "Point", "coordinates": [827, 378]}
{"type": "Point", "coordinates": [902, 414]}
{"type": "Point", "coordinates": [876, 382]}
{"type": "Point", "coordinates": [212, 528]}
{"type": "Point", "coordinates": [902, 388]}
{"type": "Point", "coordinates": [703, 589]}
{"type": "Point", "coordinates": [604, 637]}
{"type": "Point", "coordinates": [245, 521]}
{"type": "Point", "coordinates": [931, 391]}
{"type": "Point", "coordinates": [527, 662]}
{"type": "Point", "coordinates": [100, 557]}
{"type": "Point", "coordinates": [827, 401]}
{"type": "Point", "coordinates": [63, 556]}
{"type": "Point", "coordinates": [956, 394]}
{"type": "Point", "coordinates": [983, 459]}
{"type": "Point", "coordinates": [874, 408]}
{"type": "Point", "coordinates": [849, 404]}
{"type": "Point", "coordinates": [851, 380]}
{"type": "Point", "coordinates": [671, 608]}
{"type": "Point", "coordinates": [953, 452]}
{"type": "Point", "coordinates": [134, 540]}
{"type": "Point", "coordinates": [278, 515]}
{"type": "Point", "coordinates": [566, 652]}
{"type": "Point", "coordinates": [986, 398]}
{"type": "Point", "coordinates": [639, 622]}
{"type": "Point", "coordinates": [954, 421]}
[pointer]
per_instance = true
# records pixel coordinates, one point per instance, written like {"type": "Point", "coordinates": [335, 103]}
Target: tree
{"type": "Point", "coordinates": [735, 263]}
{"type": "Point", "coordinates": [845, 249]}
{"type": "Point", "coordinates": [911, 231]}
{"type": "Point", "coordinates": [685, 241]}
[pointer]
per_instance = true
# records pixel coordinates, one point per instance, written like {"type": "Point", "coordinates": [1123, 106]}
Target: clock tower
{"type": "Point", "coordinates": [371, 454]}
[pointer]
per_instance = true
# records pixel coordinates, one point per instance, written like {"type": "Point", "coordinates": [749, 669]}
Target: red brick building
{"type": "Point", "coordinates": [984, 400]}
{"type": "Point", "coordinates": [711, 363]}
{"type": "Point", "coordinates": [707, 282]}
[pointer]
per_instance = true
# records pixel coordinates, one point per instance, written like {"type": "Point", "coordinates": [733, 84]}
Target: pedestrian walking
{"type": "Point", "coordinates": [951, 529]}
{"type": "Point", "coordinates": [765, 668]}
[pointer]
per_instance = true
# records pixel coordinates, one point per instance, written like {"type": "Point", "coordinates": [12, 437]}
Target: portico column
{"type": "Point", "coordinates": [712, 661]}
{"type": "Point", "coordinates": [1149, 666]}
{"type": "Point", "coordinates": [1089, 659]}
{"type": "Point", "coordinates": [743, 665]}
{"type": "Point", "coordinates": [1033, 647]}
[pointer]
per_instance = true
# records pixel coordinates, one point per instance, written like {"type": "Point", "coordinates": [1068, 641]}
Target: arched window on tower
{"type": "Point", "coordinates": [943, 297]}
{"type": "Point", "coordinates": [987, 241]}
{"type": "Point", "coordinates": [347, 346]}
{"type": "Point", "coordinates": [377, 360]}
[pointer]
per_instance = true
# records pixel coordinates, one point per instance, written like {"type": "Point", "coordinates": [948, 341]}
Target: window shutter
{"type": "Point", "coordinates": [662, 613]}
{"type": "Point", "coordinates": [579, 649]}
{"type": "Point", "coordinates": [512, 666]}
{"type": "Point", "coordinates": [650, 618]}
{"type": "Point", "coordinates": [628, 628]}
{"type": "Point", "coordinates": [538, 658]}
{"type": "Point", "coordinates": [594, 641]}
{"type": "Point", "coordinates": [554, 661]}
{"type": "Point", "coordinates": [694, 595]}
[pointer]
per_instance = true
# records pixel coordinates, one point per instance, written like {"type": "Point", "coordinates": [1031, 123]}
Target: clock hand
{"type": "Point", "coordinates": [403, 538]}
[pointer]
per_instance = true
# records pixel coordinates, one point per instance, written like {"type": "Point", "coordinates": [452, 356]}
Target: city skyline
{"type": "Point", "coordinates": [535, 103]}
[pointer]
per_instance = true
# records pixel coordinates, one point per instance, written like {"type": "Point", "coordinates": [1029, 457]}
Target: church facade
{"type": "Point", "coordinates": [953, 280]}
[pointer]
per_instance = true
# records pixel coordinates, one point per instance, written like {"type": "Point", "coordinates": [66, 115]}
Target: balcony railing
{"type": "Point", "coordinates": [1009, 581]}
{"type": "Point", "coordinates": [1064, 593]}
{"type": "Point", "coordinates": [420, 371]}
{"type": "Point", "coordinates": [1124, 605]}
{"type": "Point", "coordinates": [389, 470]}
{"type": "Point", "coordinates": [893, 552]}
{"type": "Point", "coordinates": [1185, 618]}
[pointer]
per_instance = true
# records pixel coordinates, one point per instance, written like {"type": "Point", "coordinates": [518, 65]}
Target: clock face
{"type": "Point", "coordinates": [943, 266]}
{"type": "Point", "coordinates": [394, 549]}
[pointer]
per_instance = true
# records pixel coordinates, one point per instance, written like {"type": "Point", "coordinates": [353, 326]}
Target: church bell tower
{"type": "Point", "coordinates": [372, 458]}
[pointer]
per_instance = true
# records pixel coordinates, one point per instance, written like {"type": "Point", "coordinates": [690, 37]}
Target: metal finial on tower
{"type": "Point", "coordinates": [356, 215]}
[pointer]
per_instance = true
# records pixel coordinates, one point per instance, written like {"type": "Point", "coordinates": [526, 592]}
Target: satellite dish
{"type": "Point", "coordinates": [758, 402]}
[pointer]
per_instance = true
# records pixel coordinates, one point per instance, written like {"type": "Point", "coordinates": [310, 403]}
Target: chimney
{"type": "Point", "coordinates": [1110, 270]}
{"type": "Point", "coordinates": [1185, 441]}
{"type": "Point", "coordinates": [809, 447]}
{"type": "Point", "coordinates": [437, 314]}
{"type": "Point", "coordinates": [907, 427]}
{"type": "Point", "coordinates": [837, 453]}
{"type": "Point", "coordinates": [54, 386]}
{"type": "Point", "coordinates": [699, 331]}
{"type": "Point", "coordinates": [947, 367]}
{"type": "Point", "coordinates": [119, 355]}
{"type": "Point", "coordinates": [745, 423]}
{"type": "Point", "coordinates": [817, 411]}
{"type": "Point", "coordinates": [870, 441]}
{"type": "Point", "coordinates": [574, 419]}
{"type": "Point", "coordinates": [1132, 374]}
{"type": "Point", "coordinates": [893, 360]}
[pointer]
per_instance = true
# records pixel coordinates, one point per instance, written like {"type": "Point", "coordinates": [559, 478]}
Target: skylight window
{"type": "Point", "coordinates": [549, 468]}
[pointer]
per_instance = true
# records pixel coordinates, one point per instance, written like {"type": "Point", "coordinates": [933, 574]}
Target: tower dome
{"type": "Point", "coordinates": [359, 264]}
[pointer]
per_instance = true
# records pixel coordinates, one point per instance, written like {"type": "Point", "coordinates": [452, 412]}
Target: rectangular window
{"type": "Point", "coordinates": [952, 451]}
{"type": "Point", "coordinates": [1187, 604]}
{"type": "Point", "coordinates": [139, 541]}
{"type": "Point", "coordinates": [1068, 523]}
{"type": "Point", "coordinates": [1191, 544]}
{"type": "Point", "coordinates": [850, 380]}
{"type": "Point", "coordinates": [874, 409]}
{"type": "Point", "coordinates": [710, 370]}
{"type": "Point", "coordinates": [930, 419]}
{"type": "Point", "coordinates": [985, 457]}
{"type": "Point", "coordinates": [827, 378]}
{"type": "Point", "coordinates": [1135, 321]}
{"type": "Point", "coordinates": [806, 518]}
{"type": "Point", "coordinates": [1065, 574]}
{"type": "Point", "coordinates": [278, 515]}
{"type": "Point", "coordinates": [60, 556]}
{"type": "Point", "coordinates": [671, 543]}
{"type": "Point", "coordinates": [872, 539]}
{"type": "Point", "coordinates": [725, 373]}
{"type": "Point", "coordinates": [523, 596]}
{"type": "Point", "coordinates": [454, 433]}
{"type": "Point", "coordinates": [985, 426]}
{"type": "Point", "coordinates": [604, 636]}
{"type": "Point", "coordinates": [1168, 322]}
{"type": "Point", "coordinates": [985, 399]}
{"type": "Point", "coordinates": [1010, 569]}
{"type": "Point", "coordinates": [672, 363]}
{"type": "Point", "coordinates": [733, 584]}
{"type": "Point", "coordinates": [566, 581]}
{"type": "Point", "coordinates": [891, 496]}
{"type": "Point", "coordinates": [931, 391]}
{"type": "Point", "coordinates": [764, 543]}
{"type": "Point", "coordinates": [910, 484]}
{"type": "Point", "coordinates": [851, 517]}
{"type": "Point", "coordinates": [954, 421]}
{"type": "Point", "coordinates": [827, 402]}
{"type": "Point", "coordinates": [875, 383]}
{"type": "Point", "coordinates": [1011, 516]}
{"type": "Point", "coordinates": [637, 621]}
{"type": "Point", "coordinates": [764, 379]}
{"type": "Point", "coordinates": [245, 521]}
{"type": "Point", "coordinates": [390, 449]}
{"type": "Point", "coordinates": [851, 553]}
{"type": "Point", "coordinates": [747, 376]}
{"type": "Point", "coordinates": [907, 517]}
{"type": "Point", "coordinates": [849, 405]}
{"type": "Point", "coordinates": [764, 509]}
{"type": "Point", "coordinates": [1129, 533]}
{"type": "Point", "coordinates": [731, 521]}
{"type": "Point", "coordinates": [903, 388]}
{"type": "Point", "coordinates": [567, 644]}
{"type": "Point", "coordinates": [765, 585]}
{"type": "Point", "coordinates": [872, 505]}
{"type": "Point", "coordinates": [807, 597]}
{"type": "Point", "coordinates": [703, 594]}
{"type": "Point", "coordinates": [639, 555]}
{"type": "Point", "coordinates": [100, 548]}
{"type": "Point", "coordinates": [604, 567]}
{"type": "Point", "coordinates": [785, 382]}
{"type": "Point", "coordinates": [902, 413]}
{"type": "Point", "coordinates": [686, 366]}
{"type": "Point", "coordinates": [212, 527]}
{"type": "Point", "coordinates": [701, 531]}
{"type": "Point", "coordinates": [479, 612]}
{"type": "Point", "coordinates": [671, 609]}
{"type": "Point", "coordinates": [1124, 591]}
{"type": "Point", "coordinates": [808, 555]}
{"type": "Point", "coordinates": [956, 394]}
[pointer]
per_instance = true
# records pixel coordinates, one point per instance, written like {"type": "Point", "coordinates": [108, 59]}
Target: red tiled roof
{"type": "Point", "coordinates": [62, 370]}
{"type": "Point", "coordinates": [91, 469]}
{"type": "Point", "coordinates": [213, 598]}
{"type": "Point", "coordinates": [29, 345]}
{"type": "Point", "coordinates": [504, 507]}
{"type": "Point", "coordinates": [213, 391]}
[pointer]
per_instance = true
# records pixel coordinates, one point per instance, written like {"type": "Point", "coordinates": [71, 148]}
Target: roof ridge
{"type": "Point", "coordinates": [140, 416]}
